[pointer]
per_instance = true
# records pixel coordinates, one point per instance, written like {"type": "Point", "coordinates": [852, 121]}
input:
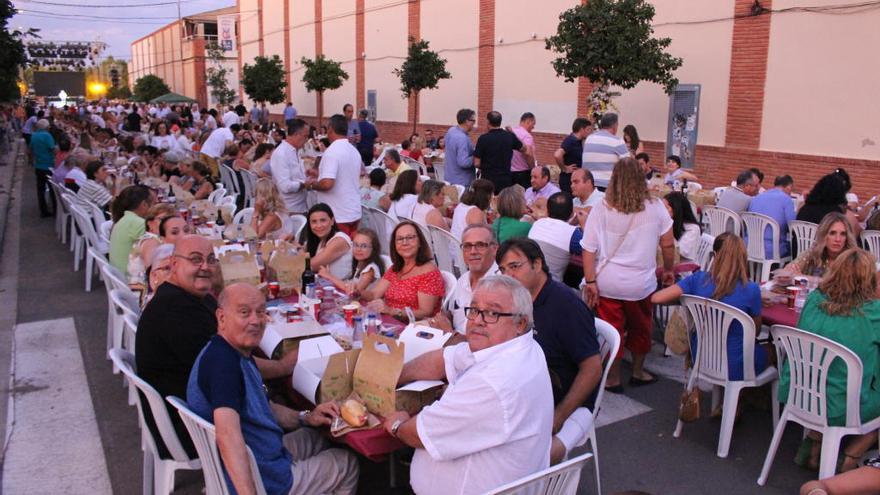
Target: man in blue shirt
{"type": "Point", "coordinates": [225, 387]}
{"type": "Point", "coordinates": [565, 329]}
{"type": "Point", "coordinates": [43, 149]}
{"type": "Point", "coordinates": [354, 131]}
{"type": "Point", "coordinates": [289, 113]}
{"type": "Point", "coordinates": [459, 165]}
{"type": "Point", "coordinates": [569, 156]}
{"type": "Point", "coordinates": [776, 203]}
{"type": "Point", "coordinates": [369, 135]}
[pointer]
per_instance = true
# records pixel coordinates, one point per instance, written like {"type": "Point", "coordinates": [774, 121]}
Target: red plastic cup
{"type": "Point", "coordinates": [274, 287]}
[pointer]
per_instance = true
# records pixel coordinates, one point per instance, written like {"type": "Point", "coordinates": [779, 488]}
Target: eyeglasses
{"type": "Point", "coordinates": [512, 266]}
{"type": "Point", "coordinates": [360, 246]}
{"type": "Point", "coordinates": [198, 259]}
{"type": "Point", "coordinates": [479, 246]}
{"type": "Point", "coordinates": [488, 315]}
{"type": "Point", "coordinates": [406, 239]}
{"type": "Point", "coordinates": [472, 120]}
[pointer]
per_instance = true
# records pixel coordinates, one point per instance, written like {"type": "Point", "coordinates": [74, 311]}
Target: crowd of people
{"type": "Point", "coordinates": [522, 312]}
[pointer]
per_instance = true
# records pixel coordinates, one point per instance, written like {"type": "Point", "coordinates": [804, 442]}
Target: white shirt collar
{"type": "Point", "coordinates": [512, 345]}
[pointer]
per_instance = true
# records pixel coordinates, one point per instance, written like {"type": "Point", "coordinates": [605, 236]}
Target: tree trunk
{"type": "Point", "coordinates": [415, 97]}
{"type": "Point", "coordinates": [320, 108]}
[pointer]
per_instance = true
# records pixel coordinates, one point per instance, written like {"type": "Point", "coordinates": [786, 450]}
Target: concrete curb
{"type": "Point", "coordinates": [8, 169]}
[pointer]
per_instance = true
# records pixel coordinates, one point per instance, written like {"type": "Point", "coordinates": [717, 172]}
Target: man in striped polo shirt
{"type": "Point", "coordinates": [603, 148]}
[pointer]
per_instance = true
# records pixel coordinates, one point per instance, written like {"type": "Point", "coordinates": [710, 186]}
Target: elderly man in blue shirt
{"type": "Point", "coordinates": [776, 203]}
{"type": "Point", "coordinates": [459, 165]}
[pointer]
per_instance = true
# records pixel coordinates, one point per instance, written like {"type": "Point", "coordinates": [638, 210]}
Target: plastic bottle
{"type": "Point", "coordinates": [358, 333]}
{"type": "Point", "coordinates": [800, 299]}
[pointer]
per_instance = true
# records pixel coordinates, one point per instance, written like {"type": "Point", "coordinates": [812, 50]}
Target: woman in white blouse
{"type": "Point", "coordinates": [327, 245]}
{"type": "Point", "coordinates": [685, 227]}
{"type": "Point", "coordinates": [163, 140]}
{"type": "Point", "coordinates": [404, 197]}
{"type": "Point", "coordinates": [427, 210]}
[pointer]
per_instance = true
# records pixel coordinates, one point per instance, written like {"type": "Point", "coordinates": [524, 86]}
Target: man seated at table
{"type": "Point", "coordinates": [478, 248]}
{"type": "Point", "coordinates": [93, 189]}
{"type": "Point", "coordinates": [541, 185]}
{"type": "Point", "coordinates": [777, 204]}
{"type": "Point", "coordinates": [225, 388]}
{"type": "Point", "coordinates": [554, 229]}
{"type": "Point", "coordinates": [492, 425]}
{"type": "Point", "coordinates": [585, 194]}
{"type": "Point", "coordinates": [394, 163]}
{"type": "Point", "coordinates": [566, 331]}
{"type": "Point", "coordinates": [739, 197]}
{"type": "Point", "coordinates": [177, 323]}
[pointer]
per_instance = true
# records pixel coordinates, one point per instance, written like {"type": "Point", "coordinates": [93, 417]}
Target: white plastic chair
{"type": "Point", "coordinates": [125, 302]}
{"type": "Point", "coordinates": [802, 234]}
{"type": "Point", "coordinates": [68, 198]}
{"type": "Point", "coordinates": [244, 216]}
{"type": "Point", "coordinates": [62, 214]}
{"type": "Point", "coordinates": [249, 179]}
{"type": "Point", "coordinates": [447, 251]}
{"type": "Point", "coordinates": [871, 242]}
{"type": "Point", "coordinates": [96, 246]}
{"type": "Point", "coordinates": [609, 345]}
{"type": "Point", "coordinates": [366, 219]}
{"type": "Point", "coordinates": [722, 220]}
{"type": "Point", "coordinates": [104, 230]}
{"type": "Point", "coordinates": [84, 225]}
{"type": "Point", "coordinates": [809, 357]}
{"type": "Point", "coordinates": [297, 224]}
{"type": "Point", "coordinates": [217, 194]}
{"type": "Point", "coordinates": [227, 201]}
{"type": "Point", "coordinates": [449, 282]}
{"type": "Point", "coordinates": [227, 177]}
{"type": "Point", "coordinates": [158, 472]}
{"type": "Point", "coordinates": [756, 225]}
{"type": "Point", "coordinates": [712, 320]}
{"type": "Point", "coordinates": [704, 252]}
{"type": "Point", "coordinates": [387, 260]}
{"type": "Point", "coordinates": [205, 439]}
{"type": "Point", "coordinates": [383, 224]}
{"type": "Point", "coordinates": [561, 479]}
{"type": "Point", "coordinates": [557, 259]}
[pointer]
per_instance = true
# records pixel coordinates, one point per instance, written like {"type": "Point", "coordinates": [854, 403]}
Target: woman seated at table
{"type": "Point", "coordinates": [142, 251]}
{"type": "Point", "coordinates": [128, 209]}
{"type": "Point", "coordinates": [727, 281]}
{"type": "Point", "coordinates": [327, 245]}
{"type": "Point", "coordinates": [409, 150]}
{"type": "Point", "coordinates": [685, 227]}
{"type": "Point", "coordinates": [833, 236]}
{"type": "Point", "coordinates": [172, 228]}
{"type": "Point", "coordinates": [163, 140]}
{"type": "Point", "coordinates": [270, 220]}
{"type": "Point", "coordinates": [262, 157]}
{"type": "Point", "coordinates": [427, 210]}
{"type": "Point", "coordinates": [413, 280]}
{"type": "Point", "coordinates": [404, 197]}
{"type": "Point", "coordinates": [367, 266]}
{"type": "Point", "coordinates": [201, 187]}
{"type": "Point", "coordinates": [472, 206]}
{"type": "Point", "coordinates": [828, 196]}
{"type": "Point", "coordinates": [511, 208]}
{"type": "Point", "coordinates": [845, 309]}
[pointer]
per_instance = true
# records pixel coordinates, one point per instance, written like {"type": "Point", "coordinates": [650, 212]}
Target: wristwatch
{"type": "Point", "coordinates": [303, 415]}
{"type": "Point", "coordinates": [395, 426]}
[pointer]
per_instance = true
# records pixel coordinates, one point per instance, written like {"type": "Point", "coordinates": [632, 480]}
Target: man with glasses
{"type": "Point", "coordinates": [459, 164]}
{"type": "Point", "coordinates": [177, 323]}
{"type": "Point", "coordinates": [478, 248]}
{"type": "Point", "coordinates": [565, 329]}
{"type": "Point", "coordinates": [492, 425]}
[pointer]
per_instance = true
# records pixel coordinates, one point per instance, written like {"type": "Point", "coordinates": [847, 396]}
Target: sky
{"type": "Point", "coordinates": [115, 22]}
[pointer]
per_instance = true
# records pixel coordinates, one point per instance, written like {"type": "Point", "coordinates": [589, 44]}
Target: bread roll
{"type": "Point", "coordinates": [354, 413]}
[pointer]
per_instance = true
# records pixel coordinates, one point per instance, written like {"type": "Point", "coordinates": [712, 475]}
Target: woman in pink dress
{"type": "Point", "coordinates": [413, 281]}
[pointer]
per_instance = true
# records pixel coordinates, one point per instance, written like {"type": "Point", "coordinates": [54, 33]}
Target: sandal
{"type": "Point", "coordinates": [808, 454]}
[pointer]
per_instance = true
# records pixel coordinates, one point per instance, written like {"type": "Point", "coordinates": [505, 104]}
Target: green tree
{"type": "Point", "coordinates": [119, 93]}
{"type": "Point", "coordinates": [150, 86]}
{"type": "Point", "coordinates": [218, 75]}
{"type": "Point", "coordinates": [320, 75]}
{"type": "Point", "coordinates": [422, 69]}
{"type": "Point", "coordinates": [610, 42]}
{"type": "Point", "coordinates": [264, 81]}
{"type": "Point", "coordinates": [13, 58]}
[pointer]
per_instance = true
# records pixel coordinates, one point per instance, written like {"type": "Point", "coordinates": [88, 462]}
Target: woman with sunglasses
{"type": "Point", "coordinates": [413, 281]}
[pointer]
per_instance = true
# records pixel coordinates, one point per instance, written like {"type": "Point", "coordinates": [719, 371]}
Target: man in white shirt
{"type": "Point", "coordinates": [554, 231]}
{"type": "Point", "coordinates": [541, 185]}
{"type": "Point", "coordinates": [584, 189]}
{"type": "Point", "coordinates": [230, 117]}
{"type": "Point", "coordinates": [216, 144]}
{"type": "Point", "coordinates": [288, 172]}
{"type": "Point", "coordinates": [478, 248]}
{"type": "Point", "coordinates": [184, 141]}
{"type": "Point", "coordinates": [493, 424]}
{"type": "Point", "coordinates": [339, 174]}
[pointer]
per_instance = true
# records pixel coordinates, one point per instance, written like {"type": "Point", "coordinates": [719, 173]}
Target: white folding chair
{"type": "Point", "coordinates": [205, 439]}
{"type": "Point", "coordinates": [721, 220]}
{"type": "Point", "coordinates": [158, 472]}
{"type": "Point", "coordinates": [609, 345]}
{"type": "Point", "coordinates": [712, 320]}
{"type": "Point", "coordinates": [871, 242]}
{"type": "Point", "coordinates": [383, 224]}
{"type": "Point", "coordinates": [802, 234]}
{"type": "Point", "coordinates": [561, 479]}
{"type": "Point", "coordinates": [244, 216]}
{"type": "Point", "coordinates": [447, 251]}
{"type": "Point", "coordinates": [760, 264]}
{"type": "Point", "coordinates": [809, 358]}
{"type": "Point", "coordinates": [704, 251]}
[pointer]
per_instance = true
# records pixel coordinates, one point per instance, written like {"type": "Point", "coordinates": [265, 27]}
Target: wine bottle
{"type": "Point", "coordinates": [308, 276]}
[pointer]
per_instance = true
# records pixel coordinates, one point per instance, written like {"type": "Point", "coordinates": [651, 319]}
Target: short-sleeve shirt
{"type": "Point", "coordinates": [43, 149]}
{"type": "Point", "coordinates": [404, 293]}
{"type": "Point", "coordinates": [745, 297]}
{"type": "Point", "coordinates": [370, 197]}
{"type": "Point", "coordinates": [518, 162]}
{"type": "Point", "coordinates": [368, 136]}
{"type": "Point", "coordinates": [216, 142]}
{"type": "Point", "coordinates": [223, 377]}
{"type": "Point", "coordinates": [602, 150]}
{"type": "Point", "coordinates": [342, 163]}
{"type": "Point", "coordinates": [125, 233]}
{"type": "Point", "coordinates": [495, 150]}
{"type": "Point", "coordinates": [573, 150]}
{"type": "Point", "coordinates": [507, 228]}
{"type": "Point", "coordinates": [566, 330]}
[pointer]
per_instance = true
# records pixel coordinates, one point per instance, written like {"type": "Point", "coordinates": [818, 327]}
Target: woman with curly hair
{"type": "Point", "coordinates": [833, 237]}
{"type": "Point", "coordinates": [270, 219]}
{"type": "Point", "coordinates": [828, 196]}
{"type": "Point", "coordinates": [620, 263]}
{"type": "Point", "coordinates": [845, 309]}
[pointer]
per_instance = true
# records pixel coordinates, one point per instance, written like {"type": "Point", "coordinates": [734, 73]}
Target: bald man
{"type": "Point", "coordinates": [225, 387]}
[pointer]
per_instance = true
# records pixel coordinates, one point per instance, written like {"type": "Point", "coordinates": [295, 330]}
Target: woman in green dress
{"type": "Point", "coordinates": [511, 205]}
{"type": "Point", "coordinates": [845, 309]}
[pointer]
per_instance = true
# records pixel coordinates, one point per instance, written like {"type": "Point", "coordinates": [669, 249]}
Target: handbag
{"type": "Point", "coordinates": [689, 407]}
{"type": "Point", "coordinates": [675, 336]}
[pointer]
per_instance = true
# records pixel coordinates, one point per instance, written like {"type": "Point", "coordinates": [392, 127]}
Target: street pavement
{"type": "Point", "coordinates": [61, 327]}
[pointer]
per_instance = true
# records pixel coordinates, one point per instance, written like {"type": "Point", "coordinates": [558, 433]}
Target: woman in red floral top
{"type": "Point", "coordinates": [413, 280]}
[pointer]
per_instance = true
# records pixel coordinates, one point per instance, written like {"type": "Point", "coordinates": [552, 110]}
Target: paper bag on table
{"type": "Point", "coordinates": [323, 371]}
{"type": "Point", "coordinates": [239, 267]}
{"type": "Point", "coordinates": [239, 231]}
{"type": "Point", "coordinates": [376, 373]}
{"type": "Point", "coordinates": [182, 194]}
{"type": "Point", "coordinates": [288, 266]}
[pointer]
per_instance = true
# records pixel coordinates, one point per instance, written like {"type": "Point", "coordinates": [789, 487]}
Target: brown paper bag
{"type": "Point", "coordinates": [239, 267]}
{"type": "Point", "coordinates": [239, 231]}
{"type": "Point", "coordinates": [337, 382]}
{"type": "Point", "coordinates": [377, 372]}
{"type": "Point", "coordinates": [182, 195]}
{"type": "Point", "coordinates": [288, 267]}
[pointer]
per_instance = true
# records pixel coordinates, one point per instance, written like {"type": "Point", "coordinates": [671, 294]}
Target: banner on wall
{"type": "Point", "coordinates": [226, 32]}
